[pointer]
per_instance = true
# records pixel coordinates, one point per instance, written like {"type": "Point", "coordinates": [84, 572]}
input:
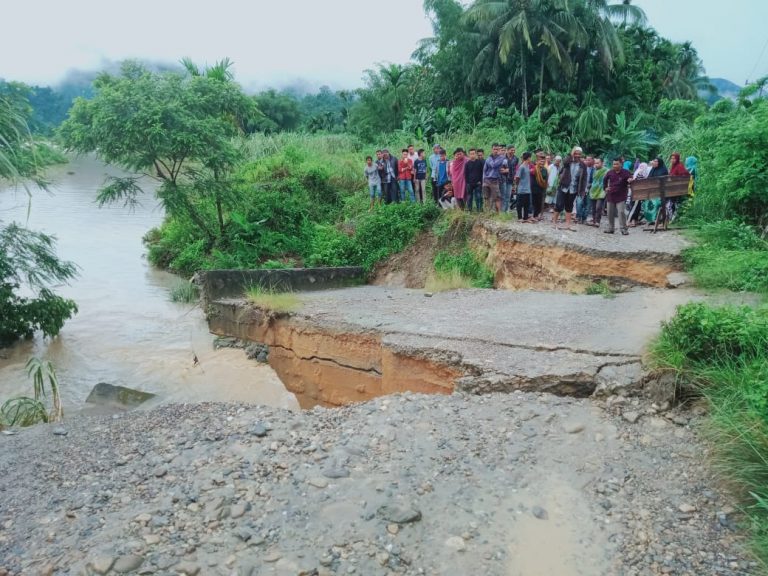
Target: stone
{"type": "Point", "coordinates": [187, 568]}
{"type": "Point", "coordinates": [539, 513]}
{"type": "Point", "coordinates": [336, 473]}
{"type": "Point", "coordinates": [239, 509]}
{"type": "Point", "coordinates": [60, 431]}
{"type": "Point", "coordinates": [574, 428]}
{"type": "Point", "coordinates": [631, 416]}
{"type": "Point", "coordinates": [102, 564]}
{"type": "Point", "coordinates": [272, 557]}
{"type": "Point", "coordinates": [399, 514]}
{"type": "Point", "coordinates": [151, 539]}
{"type": "Point", "coordinates": [456, 543]}
{"type": "Point", "coordinates": [318, 482]}
{"type": "Point", "coordinates": [382, 558]}
{"type": "Point", "coordinates": [686, 508]}
{"type": "Point", "coordinates": [393, 529]}
{"type": "Point", "coordinates": [104, 394]}
{"type": "Point", "coordinates": [127, 564]}
{"type": "Point", "coordinates": [160, 471]}
{"type": "Point", "coordinates": [143, 518]}
{"type": "Point", "coordinates": [677, 279]}
{"type": "Point", "coordinates": [262, 357]}
{"type": "Point", "coordinates": [258, 430]}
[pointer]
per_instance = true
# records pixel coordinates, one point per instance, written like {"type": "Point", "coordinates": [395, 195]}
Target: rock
{"type": "Point", "coordinates": [151, 539]}
{"type": "Point", "coordinates": [677, 279]}
{"type": "Point", "coordinates": [686, 508]}
{"type": "Point", "coordinates": [262, 357]}
{"type": "Point", "coordinates": [539, 513]}
{"type": "Point", "coordinates": [336, 473]}
{"type": "Point", "coordinates": [126, 564]}
{"type": "Point", "coordinates": [143, 518]}
{"type": "Point", "coordinates": [272, 557]}
{"type": "Point", "coordinates": [399, 514]}
{"type": "Point", "coordinates": [382, 558]}
{"type": "Point", "coordinates": [318, 482]}
{"type": "Point", "coordinates": [393, 529]}
{"type": "Point", "coordinates": [258, 430]}
{"type": "Point", "coordinates": [574, 428]}
{"type": "Point", "coordinates": [239, 509]}
{"type": "Point", "coordinates": [187, 568]}
{"type": "Point", "coordinates": [160, 471]}
{"type": "Point", "coordinates": [60, 431]}
{"type": "Point", "coordinates": [456, 543]}
{"type": "Point", "coordinates": [104, 394]}
{"type": "Point", "coordinates": [102, 564]}
{"type": "Point", "coordinates": [631, 416]}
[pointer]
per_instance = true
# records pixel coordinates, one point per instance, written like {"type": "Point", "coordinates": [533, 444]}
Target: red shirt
{"type": "Point", "coordinates": [404, 169]}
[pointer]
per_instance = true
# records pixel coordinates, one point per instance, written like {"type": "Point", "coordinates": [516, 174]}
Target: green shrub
{"type": "Point", "coordinates": [729, 254]}
{"type": "Point", "coordinates": [702, 333]}
{"type": "Point", "coordinates": [465, 263]}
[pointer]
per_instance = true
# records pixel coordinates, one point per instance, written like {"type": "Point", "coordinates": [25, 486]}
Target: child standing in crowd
{"type": "Point", "coordinates": [443, 176]}
{"type": "Point", "coordinates": [420, 179]}
{"type": "Point", "coordinates": [523, 182]}
{"type": "Point", "coordinates": [405, 176]}
{"type": "Point", "coordinates": [374, 180]}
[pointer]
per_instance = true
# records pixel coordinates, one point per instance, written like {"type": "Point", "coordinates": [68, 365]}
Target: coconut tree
{"type": "Point", "coordinates": [526, 30]}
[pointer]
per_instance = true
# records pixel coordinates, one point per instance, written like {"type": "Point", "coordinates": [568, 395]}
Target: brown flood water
{"type": "Point", "coordinates": [127, 332]}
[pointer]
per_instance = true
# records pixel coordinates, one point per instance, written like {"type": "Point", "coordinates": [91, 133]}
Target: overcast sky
{"type": "Point", "coordinates": [275, 43]}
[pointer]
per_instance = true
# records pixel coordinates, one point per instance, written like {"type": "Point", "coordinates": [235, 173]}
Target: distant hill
{"type": "Point", "coordinates": [725, 89]}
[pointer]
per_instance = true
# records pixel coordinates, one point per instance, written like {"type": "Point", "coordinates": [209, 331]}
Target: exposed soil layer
{"type": "Point", "coordinates": [538, 257]}
{"type": "Point", "coordinates": [354, 344]}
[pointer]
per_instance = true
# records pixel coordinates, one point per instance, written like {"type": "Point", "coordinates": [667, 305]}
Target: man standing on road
{"type": "Point", "coordinates": [434, 160]}
{"type": "Point", "coordinates": [473, 176]}
{"type": "Point", "coordinates": [389, 182]}
{"type": "Point", "coordinates": [616, 185]}
{"type": "Point", "coordinates": [491, 179]}
{"type": "Point", "coordinates": [573, 181]}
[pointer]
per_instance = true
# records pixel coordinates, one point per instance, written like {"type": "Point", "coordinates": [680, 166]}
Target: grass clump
{"type": "Point", "coordinates": [721, 354]}
{"type": "Point", "coordinates": [601, 287]}
{"type": "Point", "coordinates": [451, 280]}
{"type": "Point", "coordinates": [463, 269]}
{"type": "Point", "coordinates": [273, 299]}
{"type": "Point", "coordinates": [731, 255]}
{"type": "Point", "coordinates": [25, 410]}
{"type": "Point", "coordinates": [185, 292]}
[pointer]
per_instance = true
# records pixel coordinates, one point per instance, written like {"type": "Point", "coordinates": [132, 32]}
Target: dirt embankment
{"type": "Point", "coordinates": [538, 257]}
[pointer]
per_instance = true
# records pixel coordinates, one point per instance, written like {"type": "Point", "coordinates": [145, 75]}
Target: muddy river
{"type": "Point", "coordinates": [127, 331]}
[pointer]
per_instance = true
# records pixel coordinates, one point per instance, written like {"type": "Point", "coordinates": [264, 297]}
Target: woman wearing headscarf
{"type": "Point", "coordinates": [676, 169]}
{"type": "Point", "coordinates": [651, 207]}
{"type": "Point", "coordinates": [692, 165]}
{"type": "Point", "coordinates": [635, 211]}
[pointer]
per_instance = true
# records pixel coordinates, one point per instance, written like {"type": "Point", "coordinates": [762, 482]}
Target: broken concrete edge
{"type": "Point", "coordinates": [507, 234]}
{"type": "Point", "coordinates": [220, 284]}
{"type": "Point", "coordinates": [335, 363]}
{"type": "Point", "coordinates": [104, 394]}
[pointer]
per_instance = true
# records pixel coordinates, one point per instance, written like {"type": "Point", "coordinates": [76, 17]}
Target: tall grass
{"type": "Point", "coordinates": [185, 292]}
{"type": "Point", "coordinates": [26, 411]}
{"type": "Point", "coordinates": [721, 354]}
{"type": "Point", "coordinates": [273, 299]}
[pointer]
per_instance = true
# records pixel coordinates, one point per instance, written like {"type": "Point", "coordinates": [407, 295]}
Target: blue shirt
{"type": "Point", "coordinates": [442, 172]}
{"type": "Point", "coordinates": [492, 166]}
{"type": "Point", "coordinates": [434, 159]}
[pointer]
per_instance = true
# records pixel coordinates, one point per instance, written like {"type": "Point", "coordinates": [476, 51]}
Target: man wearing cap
{"type": "Point", "coordinates": [573, 182]}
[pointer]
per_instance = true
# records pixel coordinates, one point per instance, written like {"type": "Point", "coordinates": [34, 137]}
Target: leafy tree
{"type": "Point", "coordinates": [174, 128]}
{"type": "Point", "coordinates": [280, 112]}
{"type": "Point", "coordinates": [27, 259]}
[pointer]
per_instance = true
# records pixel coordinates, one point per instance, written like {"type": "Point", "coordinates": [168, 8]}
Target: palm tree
{"type": "Point", "coordinates": [525, 29]}
{"type": "Point", "coordinates": [685, 76]}
{"type": "Point", "coordinates": [394, 77]}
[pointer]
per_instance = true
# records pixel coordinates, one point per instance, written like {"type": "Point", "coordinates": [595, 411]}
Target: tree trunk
{"type": "Point", "coordinates": [219, 210]}
{"type": "Point", "coordinates": [525, 85]}
{"type": "Point", "coordinates": [541, 86]}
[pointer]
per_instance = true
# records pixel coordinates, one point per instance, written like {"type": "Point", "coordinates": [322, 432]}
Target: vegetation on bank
{"type": "Point", "coordinates": [720, 353]}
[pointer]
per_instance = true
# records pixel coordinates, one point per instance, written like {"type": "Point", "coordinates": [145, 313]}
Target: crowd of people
{"type": "Point", "coordinates": [539, 186]}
